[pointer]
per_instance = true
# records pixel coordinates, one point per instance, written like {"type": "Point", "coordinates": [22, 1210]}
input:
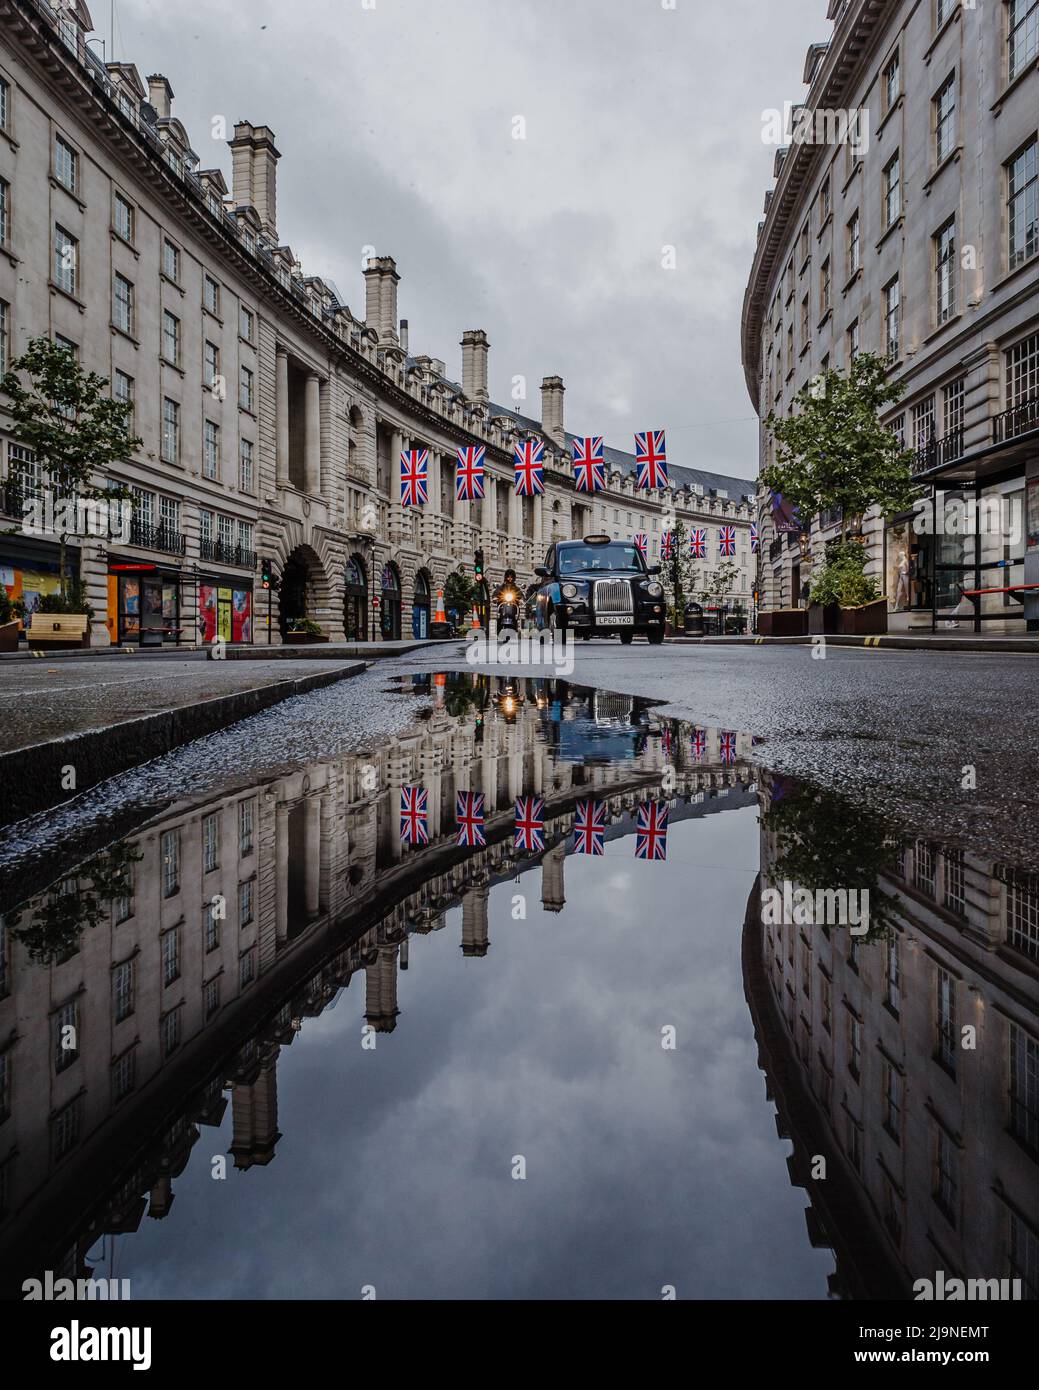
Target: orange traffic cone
{"type": "Point", "coordinates": [476, 618]}
{"type": "Point", "coordinates": [440, 616]}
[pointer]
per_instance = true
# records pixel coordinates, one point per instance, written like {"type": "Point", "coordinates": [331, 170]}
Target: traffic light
{"type": "Point", "coordinates": [478, 564]}
{"type": "Point", "coordinates": [265, 574]}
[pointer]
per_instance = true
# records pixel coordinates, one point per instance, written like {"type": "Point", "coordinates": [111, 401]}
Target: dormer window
{"type": "Point", "coordinates": [69, 31]}
{"type": "Point", "coordinates": [247, 239]}
{"type": "Point", "coordinates": [126, 106]}
{"type": "Point", "coordinates": [213, 203]}
{"type": "Point", "coordinates": [173, 160]}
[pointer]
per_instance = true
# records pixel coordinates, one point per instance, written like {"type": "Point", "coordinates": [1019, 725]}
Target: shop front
{"type": "Point", "coordinates": [225, 609]}
{"type": "Point", "coordinates": [391, 603]}
{"type": "Point", "coordinates": [29, 569]}
{"type": "Point", "coordinates": [355, 600]}
{"type": "Point", "coordinates": [145, 604]}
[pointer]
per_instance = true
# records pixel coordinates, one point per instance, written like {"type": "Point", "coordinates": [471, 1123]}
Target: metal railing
{"type": "Point", "coordinates": [1018, 420]}
{"type": "Point", "coordinates": [225, 553]}
{"type": "Point", "coordinates": [153, 537]}
{"type": "Point", "coordinates": [938, 452]}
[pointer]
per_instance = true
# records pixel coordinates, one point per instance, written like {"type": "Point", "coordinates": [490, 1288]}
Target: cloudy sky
{"type": "Point", "coordinates": [396, 123]}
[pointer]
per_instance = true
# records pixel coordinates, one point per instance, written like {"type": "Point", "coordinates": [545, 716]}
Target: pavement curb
{"type": "Point", "coordinates": [892, 641]}
{"type": "Point", "coordinates": [31, 777]}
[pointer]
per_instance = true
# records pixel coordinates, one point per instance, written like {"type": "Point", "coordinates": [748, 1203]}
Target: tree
{"type": "Point", "coordinates": [720, 583]}
{"type": "Point", "coordinates": [460, 594]}
{"type": "Point", "coordinates": [67, 418]}
{"type": "Point", "coordinates": [833, 450]}
{"type": "Point", "coordinates": [678, 574]}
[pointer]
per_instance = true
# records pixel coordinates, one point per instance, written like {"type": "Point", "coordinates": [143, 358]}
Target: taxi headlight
{"type": "Point", "coordinates": [570, 591]}
{"type": "Point", "coordinates": [651, 587]}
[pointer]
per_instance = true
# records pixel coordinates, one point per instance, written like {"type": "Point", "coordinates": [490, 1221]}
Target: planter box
{"type": "Point", "coordinates": [824, 617]}
{"type": "Point", "coordinates": [9, 636]}
{"type": "Point", "coordinates": [868, 620]}
{"type": "Point", "coordinates": [305, 639]}
{"type": "Point", "coordinates": [783, 622]}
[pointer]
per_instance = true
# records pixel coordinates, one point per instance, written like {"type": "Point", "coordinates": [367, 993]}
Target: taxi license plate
{"type": "Point", "coordinates": [617, 622]}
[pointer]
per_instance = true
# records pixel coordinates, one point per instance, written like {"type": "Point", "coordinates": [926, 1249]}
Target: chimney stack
{"type": "Point", "coordinates": [474, 364]}
{"type": "Point", "coordinates": [160, 95]}
{"type": "Point", "coordinates": [552, 389]}
{"type": "Point", "coordinates": [254, 174]}
{"type": "Point", "coordinates": [404, 335]}
{"type": "Point", "coordinates": [380, 297]}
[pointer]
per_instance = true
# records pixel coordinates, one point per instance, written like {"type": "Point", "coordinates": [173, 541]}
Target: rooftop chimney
{"type": "Point", "coordinates": [474, 364]}
{"type": "Point", "coordinates": [254, 173]}
{"type": "Point", "coordinates": [404, 334]}
{"type": "Point", "coordinates": [160, 95]}
{"type": "Point", "coordinates": [380, 297]}
{"type": "Point", "coordinates": [552, 389]}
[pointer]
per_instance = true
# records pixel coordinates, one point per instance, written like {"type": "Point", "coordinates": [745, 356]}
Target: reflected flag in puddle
{"type": "Point", "coordinates": [530, 823]}
{"type": "Point", "coordinates": [699, 744]}
{"type": "Point", "coordinates": [651, 830]}
{"type": "Point", "coordinates": [414, 825]}
{"type": "Point", "coordinates": [727, 746]}
{"type": "Point", "coordinates": [469, 815]}
{"type": "Point", "coordinates": [590, 828]}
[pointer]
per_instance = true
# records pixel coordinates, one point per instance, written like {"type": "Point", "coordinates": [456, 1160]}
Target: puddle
{"type": "Point", "coordinates": [546, 996]}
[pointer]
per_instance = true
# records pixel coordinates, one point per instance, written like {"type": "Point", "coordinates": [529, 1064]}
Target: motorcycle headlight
{"type": "Point", "coordinates": [570, 591]}
{"type": "Point", "coordinates": [651, 587]}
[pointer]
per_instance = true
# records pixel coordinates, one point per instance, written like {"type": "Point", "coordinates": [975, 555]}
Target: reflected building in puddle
{"type": "Point", "coordinates": [907, 1058]}
{"type": "Point", "coordinates": [158, 981]}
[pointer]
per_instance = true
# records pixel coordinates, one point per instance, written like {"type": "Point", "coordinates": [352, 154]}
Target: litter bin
{"type": "Point", "coordinates": [693, 620]}
{"type": "Point", "coordinates": [712, 624]}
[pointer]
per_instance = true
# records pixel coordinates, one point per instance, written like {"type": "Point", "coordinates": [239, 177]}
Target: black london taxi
{"type": "Point", "coordinates": [599, 587]}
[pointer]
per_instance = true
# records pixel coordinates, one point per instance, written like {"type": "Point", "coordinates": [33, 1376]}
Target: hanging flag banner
{"type": "Point", "coordinates": [414, 477]}
{"type": "Point", "coordinates": [727, 747]}
{"type": "Point", "coordinates": [414, 823]}
{"type": "Point", "coordinates": [698, 542]}
{"type": "Point", "coordinates": [530, 823]}
{"type": "Point", "coordinates": [589, 464]}
{"type": "Point", "coordinates": [641, 542]}
{"type": "Point", "coordinates": [590, 828]}
{"type": "Point", "coordinates": [470, 819]}
{"type": "Point", "coordinates": [530, 468]}
{"type": "Point", "coordinates": [469, 474]}
{"type": "Point", "coordinates": [753, 537]}
{"type": "Point", "coordinates": [650, 460]}
{"type": "Point", "coordinates": [651, 830]}
{"type": "Point", "coordinates": [667, 545]}
{"type": "Point", "coordinates": [785, 516]}
{"type": "Point", "coordinates": [727, 540]}
{"type": "Point", "coordinates": [699, 744]}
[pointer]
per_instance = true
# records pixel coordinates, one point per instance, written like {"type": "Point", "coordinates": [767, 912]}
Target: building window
{"type": "Point", "coordinates": [953, 885]}
{"type": "Point", "coordinates": [1022, 919]}
{"type": "Point", "coordinates": [66, 1035]}
{"type": "Point", "coordinates": [923, 868]}
{"type": "Point", "coordinates": [946, 1181]}
{"type": "Point", "coordinates": [5, 212]}
{"type": "Point", "coordinates": [246, 970]}
{"type": "Point", "coordinates": [246, 816]}
{"type": "Point", "coordinates": [65, 1130]}
{"type": "Point", "coordinates": [211, 998]}
{"type": "Point", "coordinates": [211, 450]}
{"type": "Point", "coordinates": [1024, 1087]}
{"type": "Point", "coordinates": [66, 260]}
{"type": "Point", "coordinates": [212, 932]}
{"type": "Point", "coordinates": [1022, 35]}
{"type": "Point", "coordinates": [122, 906]}
{"type": "Point", "coordinates": [1023, 372]}
{"type": "Point", "coordinates": [225, 530]}
{"type": "Point", "coordinates": [245, 461]}
{"type": "Point", "coordinates": [171, 956]}
{"type": "Point", "coordinates": [171, 337]}
{"type": "Point", "coordinates": [245, 903]}
{"type": "Point", "coordinates": [945, 119]}
{"type": "Point", "coordinates": [211, 295]}
{"type": "Point", "coordinates": [170, 1032]}
{"type": "Point", "coordinates": [66, 164]}
{"type": "Point", "coordinates": [122, 304]}
{"type": "Point", "coordinates": [1023, 1255]}
{"type": "Point", "coordinates": [854, 245]}
{"type": "Point", "coordinates": [853, 341]}
{"type": "Point", "coordinates": [170, 261]}
{"type": "Point", "coordinates": [245, 537]}
{"type": "Point", "coordinates": [124, 218]}
{"type": "Point", "coordinates": [942, 10]}
{"type": "Point", "coordinates": [5, 339]}
{"type": "Point", "coordinates": [122, 990]}
{"type": "Point", "coordinates": [211, 842]}
{"type": "Point", "coordinates": [892, 81]}
{"type": "Point", "coordinates": [170, 431]}
{"type": "Point", "coordinates": [854, 1047]}
{"type": "Point", "coordinates": [892, 191]}
{"type": "Point", "coordinates": [923, 423]}
{"type": "Point", "coordinates": [945, 273]}
{"type": "Point", "coordinates": [205, 524]}
{"type": "Point", "coordinates": [893, 319]}
{"type": "Point", "coordinates": [892, 1102]}
{"type": "Point", "coordinates": [169, 517]}
{"type": "Point", "coordinates": [945, 1020]}
{"type": "Point", "coordinates": [5, 104]}
{"type": "Point", "coordinates": [893, 976]}
{"type": "Point", "coordinates": [1023, 204]}
{"type": "Point", "coordinates": [245, 388]}
{"type": "Point", "coordinates": [853, 1140]}
{"type": "Point", "coordinates": [892, 1212]}
{"type": "Point", "coordinates": [123, 392]}
{"type": "Point", "coordinates": [953, 406]}
{"type": "Point", "coordinates": [170, 863]}
{"type": "Point", "coordinates": [245, 323]}
{"type": "Point", "coordinates": [123, 1076]}
{"type": "Point", "coordinates": [824, 201]}
{"type": "Point", "coordinates": [210, 363]}
{"type": "Point", "coordinates": [826, 1002]}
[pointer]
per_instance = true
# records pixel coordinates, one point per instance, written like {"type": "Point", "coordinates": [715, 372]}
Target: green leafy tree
{"type": "Point", "coordinates": [833, 451]}
{"type": "Point", "coordinates": [720, 583]}
{"type": "Point", "coordinates": [678, 574]}
{"type": "Point", "coordinates": [81, 902]}
{"type": "Point", "coordinates": [459, 593]}
{"type": "Point", "coordinates": [68, 419]}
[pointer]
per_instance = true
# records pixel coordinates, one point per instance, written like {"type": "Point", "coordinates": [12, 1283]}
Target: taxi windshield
{"type": "Point", "coordinates": [619, 555]}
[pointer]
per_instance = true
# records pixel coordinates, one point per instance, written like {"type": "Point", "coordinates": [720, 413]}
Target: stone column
{"type": "Point", "coordinates": [431, 512]}
{"type": "Point", "coordinates": [281, 409]}
{"type": "Point", "coordinates": [514, 547]}
{"type": "Point", "coordinates": [281, 872]}
{"type": "Point", "coordinates": [312, 854]}
{"type": "Point", "coordinates": [396, 511]}
{"type": "Point", "coordinates": [475, 932]}
{"type": "Point", "coordinates": [312, 436]}
{"type": "Point", "coordinates": [539, 529]}
{"type": "Point", "coordinates": [490, 514]}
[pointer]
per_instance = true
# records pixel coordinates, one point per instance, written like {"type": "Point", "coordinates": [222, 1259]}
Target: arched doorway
{"type": "Point", "coordinates": [420, 612]}
{"type": "Point", "coordinates": [292, 591]}
{"type": "Point", "coordinates": [355, 600]}
{"type": "Point", "coordinates": [390, 610]}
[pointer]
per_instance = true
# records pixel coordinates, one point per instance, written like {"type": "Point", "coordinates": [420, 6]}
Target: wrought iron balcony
{"type": "Point", "coordinates": [224, 553]}
{"type": "Point", "coordinates": [1018, 420]}
{"type": "Point", "coordinates": [938, 452]}
{"type": "Point", "coordinates": [156, 537]}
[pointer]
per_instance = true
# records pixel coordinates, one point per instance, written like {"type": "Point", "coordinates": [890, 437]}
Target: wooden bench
{"type": "Point", "coordinates": [55, 630]}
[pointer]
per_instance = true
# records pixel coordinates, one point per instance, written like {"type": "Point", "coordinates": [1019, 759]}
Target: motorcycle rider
{"type": "Point", "coordinates": [509, 593]}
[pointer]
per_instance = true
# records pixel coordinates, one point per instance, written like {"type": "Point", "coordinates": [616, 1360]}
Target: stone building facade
{"type": "Point", "coordinates": [916, 237]}
{"type": "Point", "coordinates": [272, 416]}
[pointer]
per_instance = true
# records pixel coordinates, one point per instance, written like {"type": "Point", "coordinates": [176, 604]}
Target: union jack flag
{"type": "Point", "coordinates": [699, 744]}
{"type": "Point", "coordinates": [414, 828]}
{"type": "Point", "coordinates": [413, 477]}
{"type": "Point", "coordinates": [698, 542]}
{"type": "Point", "coordinates": [530, 823]}
{"type": "Point", "coordinates": [469, 815]}
{"type": "Point", "coordinates": [589, 464]}
{"type": "Point", "coordinates": [650, 459]}
{"type": "Point", "coordinates": [753, 537]}
{"type": "Point", "coordinates": [469, 474]}
{"type": "Point", "coordinates": [727, 745]}
{"type": "Point", "coordinates": [651, 830]}
{"type": "Point", "coordinates": [727, 540]}
{"type": "Point", "coordinates": [590, 828]}
{"type": "Point", "coordinates": [667, 545]}
{"type": "Point", "coordinates": [641, 542]}
{"type": "Point", "coordinates": [530, 470]}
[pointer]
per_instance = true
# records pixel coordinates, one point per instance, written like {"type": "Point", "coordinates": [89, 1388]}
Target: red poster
{"type": "Point", "coordinates": [241, 616]}
{"type": "Point", "coordinates": [207, 610]}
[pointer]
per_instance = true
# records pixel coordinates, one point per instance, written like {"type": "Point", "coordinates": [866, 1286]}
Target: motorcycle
{"type": "Point", "coordinates": [508, 611]}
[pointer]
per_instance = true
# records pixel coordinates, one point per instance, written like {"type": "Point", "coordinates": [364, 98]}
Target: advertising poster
{"type": "Point", "coordinates": [224, 605]}
{"type": "Point", "coordinates": [1032, 530]}
{"type": "Point", "coordinates": [241, 616]}
{"type": "Point", "coordinates": [207, 611]}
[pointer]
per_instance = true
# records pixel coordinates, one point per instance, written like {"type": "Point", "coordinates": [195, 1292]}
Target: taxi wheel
{"type": "Point", "coordinates": [656, 636]}
{"type": "Point", "coordinates": [627, 638]}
